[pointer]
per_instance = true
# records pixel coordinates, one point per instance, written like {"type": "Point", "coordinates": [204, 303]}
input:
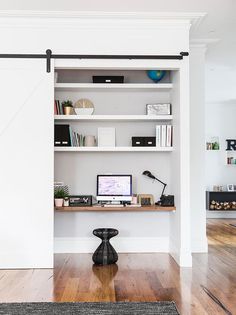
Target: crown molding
{"type": "Point", "coordinates": [203, 43]}
{"type": "Point", "coordinates": [192, 17]}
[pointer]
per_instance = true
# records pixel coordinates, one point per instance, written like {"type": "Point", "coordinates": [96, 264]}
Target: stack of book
{"type": "Point", "coordinates": [164, 136]}
{"type": "Point", "coordinates": [58, 108]}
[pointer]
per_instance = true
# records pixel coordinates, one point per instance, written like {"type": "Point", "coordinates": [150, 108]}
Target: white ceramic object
{"type": "Point", "coordinates": [59, 202]}
{"type": "Point", "coordinates": [84, 111]}
{"type": "Point", "coordinates": [89, 141]}
{"type": "Point", "coordinates": [84, 107]}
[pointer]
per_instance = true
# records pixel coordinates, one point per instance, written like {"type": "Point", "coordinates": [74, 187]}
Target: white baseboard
{"type": "Point", "coordinates": [200, 245]}
{"type": "Point", "coordinates": [26, 260]}
{"type": "Point", "coordinates": [183, 258]}
{"type": "Point", "coordinates": [121, 244]}
{"type": "Point", "coordinates": [221, 214]}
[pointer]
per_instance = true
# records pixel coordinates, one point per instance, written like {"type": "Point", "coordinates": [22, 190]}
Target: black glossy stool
{"type": "Point", "coordinates": [105, 254]}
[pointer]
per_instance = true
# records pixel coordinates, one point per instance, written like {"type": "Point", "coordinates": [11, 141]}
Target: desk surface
{"type": "Point", "coordinates": [124, 209]}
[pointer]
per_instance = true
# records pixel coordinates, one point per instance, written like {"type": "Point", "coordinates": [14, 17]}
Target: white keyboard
{"type": "Point", "coordinates": [113, 206]}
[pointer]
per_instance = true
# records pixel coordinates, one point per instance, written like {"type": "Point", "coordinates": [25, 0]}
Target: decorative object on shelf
{"type": "Point", "coordinates": [218, 188]}
{"type": "Point", "coordinates": [231, 152]}
{"type": "Point", "coordinates": [158, 109]}
{"type": "Point", "coordinates": [59, 196]}
{"type": "Point", "coordinates": [89, 141]}
{"type": "Point", "coordinates": [213, 144]}
{"type": "Point", "coordinates": [55, 77]}
{"type": "Point", "coordinates": [84, 107]}
{"type": "Point", "coordinates": [81, 200]}
{"type": "Point", "coordinates": [105, 254]}
{"type": "Point", "coordinates": [108, 79]}
{"type": "Point", "coordinates": [231, 145]}
{"type": "Point", "coordinates": [68, 107]}
{"type": "Point", "coordinates": [156, 75]}
{"type": "Point", "coordinates": [230, 187]}
{"type": "Point", "coordinates": [145, 200]}
{"type": "Point", "coordinates": [66, 202]}
{"type": "Point", "coordinates": [165, 200]}
{"type": "Point", "coordinates": [106, 137]}
{"type": "Point", "coordinates": [231, 160]}
{"type": "Point", "coordinates": [143, 141]}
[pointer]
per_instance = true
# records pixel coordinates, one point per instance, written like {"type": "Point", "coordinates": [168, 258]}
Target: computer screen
{"type": "Point", "coordinates": [114, 186]}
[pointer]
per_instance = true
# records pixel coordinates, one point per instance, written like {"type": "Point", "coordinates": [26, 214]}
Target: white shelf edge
{"type": "Point", "coordinates": [113, 117]}
{"type": "Point", "coordinates": [157, 86]}
{"type": "Point", "coordinates": [112, 149]}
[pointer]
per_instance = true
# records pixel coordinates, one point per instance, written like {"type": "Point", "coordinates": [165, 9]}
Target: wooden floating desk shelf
{"type": "Point", "coordinates": [120, 209]}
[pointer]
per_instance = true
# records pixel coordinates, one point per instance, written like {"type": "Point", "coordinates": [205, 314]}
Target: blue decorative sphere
{"type": "Point", "coordinates": [156, 75]}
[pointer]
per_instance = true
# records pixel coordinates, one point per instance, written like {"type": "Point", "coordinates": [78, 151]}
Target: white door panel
{"type": "Point", "coordinates": [26, 164]}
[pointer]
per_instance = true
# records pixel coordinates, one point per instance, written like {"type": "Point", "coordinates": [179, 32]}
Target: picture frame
{"type": "Point", "coordinates": [231, 187]}
{"type": "Point", "coordinates": [146, 199]}
{"type": "Point", "coordinates": [158, 109]}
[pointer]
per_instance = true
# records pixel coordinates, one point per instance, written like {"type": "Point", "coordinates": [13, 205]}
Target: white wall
{"type": "Point", "coordinates": [197, 147]}
{"type": "Point", "coordinates": [220, 121]}
{"type": "Point", "coordinates": [133, 36]}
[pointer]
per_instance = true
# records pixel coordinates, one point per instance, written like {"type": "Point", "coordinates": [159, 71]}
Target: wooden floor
{"type": "Point", "coordinates": [136, 277]}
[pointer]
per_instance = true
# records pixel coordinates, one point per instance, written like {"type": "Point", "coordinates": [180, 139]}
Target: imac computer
{"type": "Point", "coordinates": [114, 188]}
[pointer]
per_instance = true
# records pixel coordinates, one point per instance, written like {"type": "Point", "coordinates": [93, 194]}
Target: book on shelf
{"type": "Point", "coordinates": [58, 108]}
{"type": "Point", "coordinates": [163, 135]}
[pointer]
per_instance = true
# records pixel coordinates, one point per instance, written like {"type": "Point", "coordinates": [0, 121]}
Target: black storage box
{"type": "Point", "coordinates": [143, 141]}
{"type": "Point", "coordinates": [62, 136]}
{"type": "Point", "coordinates": [108, 79]}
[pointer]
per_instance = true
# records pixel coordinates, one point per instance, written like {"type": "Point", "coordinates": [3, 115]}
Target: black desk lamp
{"type": "Point", "coordinates": [165, 201]}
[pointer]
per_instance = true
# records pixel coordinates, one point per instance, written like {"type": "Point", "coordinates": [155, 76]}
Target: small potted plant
{"type": "Point", "coordinates": [59, 196]}
{"type": "Point", "coordinates": [67, 107]}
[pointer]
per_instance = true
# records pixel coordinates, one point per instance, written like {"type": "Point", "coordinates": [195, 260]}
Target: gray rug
{"type": "Point", "coordinates": [119, 308]}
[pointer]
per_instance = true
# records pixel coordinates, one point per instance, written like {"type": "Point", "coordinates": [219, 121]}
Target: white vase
{"type": "Point", "coordinates": [58, 202]}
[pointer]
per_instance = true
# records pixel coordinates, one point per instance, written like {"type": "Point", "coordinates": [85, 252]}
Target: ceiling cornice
{"type": "Point", "coordinates": [193, 17]}
{"type": "Point", "coordinates": [203, 42]}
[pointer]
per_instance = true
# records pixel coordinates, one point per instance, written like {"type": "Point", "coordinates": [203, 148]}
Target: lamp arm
{"type": "Point", "coordinates": [164, 184]}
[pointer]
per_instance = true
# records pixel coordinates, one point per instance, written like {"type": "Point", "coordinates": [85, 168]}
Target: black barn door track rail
{"type": "Point", "coordinates": [49, 55]}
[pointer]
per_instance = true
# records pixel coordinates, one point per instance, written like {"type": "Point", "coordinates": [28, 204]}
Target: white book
{"type": "Point", "coordinates": [158, 136]}
{"type": "Point", "coordinates": [106, 137]}
{"type": "Point", "coordinates": [168, 135]}
{"type": "Point", "coordinates": [163, 136]}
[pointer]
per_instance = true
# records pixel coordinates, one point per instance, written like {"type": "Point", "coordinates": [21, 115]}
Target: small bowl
{"type": "Point", "coordinates": [84, 111]}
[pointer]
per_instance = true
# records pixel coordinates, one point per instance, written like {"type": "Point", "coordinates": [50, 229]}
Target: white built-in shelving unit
{"type": "Point", "coordinates": [113, 118]}
{"type": "Point", "coordinates": [94, 86]}
{"type": "Point", "coordinates": [113, 149]}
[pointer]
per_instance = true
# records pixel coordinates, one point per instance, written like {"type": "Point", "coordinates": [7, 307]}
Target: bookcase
{"type": "Point", "coordinates": [122, 106]}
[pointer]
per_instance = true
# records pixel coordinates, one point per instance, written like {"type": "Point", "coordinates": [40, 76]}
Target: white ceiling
{"type": "Point", "coordinates": [219, 24]}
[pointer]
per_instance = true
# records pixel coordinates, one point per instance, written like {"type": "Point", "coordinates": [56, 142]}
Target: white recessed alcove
{"type": "Point", "coordinates": [27, 131]}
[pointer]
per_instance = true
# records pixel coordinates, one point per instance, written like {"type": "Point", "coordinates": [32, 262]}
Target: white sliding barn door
{"type": "Point", "coordinates": [26, 164]}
